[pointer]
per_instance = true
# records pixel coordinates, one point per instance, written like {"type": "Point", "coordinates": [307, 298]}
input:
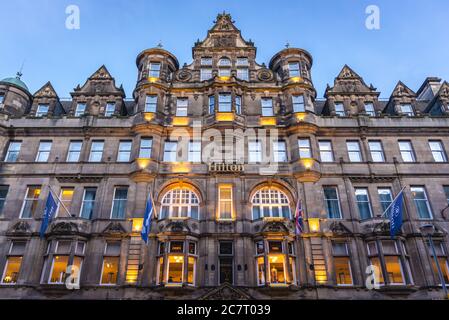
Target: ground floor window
{"type": "Point", "coordinates": [342, 264]}
{"type": "Point", "coordinates": [111, 262]}
{"type": "Point", "coordinates": [275, 262]}
{"type": "Point", "coordinates": [13, 262]}
{"type": "Point", "coordinates": [177, 263]}
{"type": "Point", "coordinates": [441, 254]}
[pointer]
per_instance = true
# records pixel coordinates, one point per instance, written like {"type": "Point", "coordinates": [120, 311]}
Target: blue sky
{"type": "Point", "coordinates": [411, 44]}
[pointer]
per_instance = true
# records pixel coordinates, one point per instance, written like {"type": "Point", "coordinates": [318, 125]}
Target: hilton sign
{"type": "Point", "coordinates": [226, 167]}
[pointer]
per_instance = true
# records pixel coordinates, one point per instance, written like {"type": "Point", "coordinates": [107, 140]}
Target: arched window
{"type": "Point", "coordinates": [224, 62]}
{"type": "Point", "coordinates": [270, 202]}
{"type": "Point", "coordinates": [180, 203]}
{"type": "Point", "coordinates": [224, 65]}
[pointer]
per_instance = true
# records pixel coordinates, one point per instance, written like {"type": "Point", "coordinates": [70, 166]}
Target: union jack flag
{"type": "Point", "coordinates": [299, 218]}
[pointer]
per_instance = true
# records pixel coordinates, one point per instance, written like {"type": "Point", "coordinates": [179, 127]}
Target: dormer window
{"type": "Point", "coordinates": [80, 109]}
{"type": "Point", "coordinates": [42, 110]}
{"type": "Point", "coordinates": [242, 62]}
{"type": "Point", "coordinates": [154, 69]}
{"type": "Point", "coordinates": [340, 109]}
{"type": "Point", "coordinates": [110, 109]}
{"type": "Point", "coordinates": [206, 61]}
{"type": "Point", "coordinates": [293, 69]}
{"type": "Point", "coordinates": [369, 109]}
{"type": "Point", "coordinates": [407, 110]}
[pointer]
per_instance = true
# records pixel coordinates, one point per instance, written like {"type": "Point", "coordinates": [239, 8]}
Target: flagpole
{"type": "Point", "coordinates": [392, 202]}
{"type": "Point", "coordinates": [65, 208]}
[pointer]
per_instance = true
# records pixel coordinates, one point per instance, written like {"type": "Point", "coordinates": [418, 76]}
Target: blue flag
{"type": "Point", "coordinates": [49, 212]}
{"type": "Point", "coordinates": [396, 215]}
{"type": "Point", "coordinates": [146, 227]}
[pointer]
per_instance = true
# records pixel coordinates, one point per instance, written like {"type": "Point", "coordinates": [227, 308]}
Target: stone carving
{"type": "Point", "coordinates": [339, 228]}
{"type": "Point", "coordinates": [20, 227]}
{"type": "Point", "coordinates": [114, 228]}
{"type": "Point", "coordinates": [265, 75]}
{"type": "Point", "coordinates": [184, 75]}
{"type": "Point", "coordinates": [226, 292]}
{"type": "Point", "coordinates": [274, 226]}
{"type": "Point", "coordinates": [64, 228]}
{"type": "Point", "coordinates": [224, 41]}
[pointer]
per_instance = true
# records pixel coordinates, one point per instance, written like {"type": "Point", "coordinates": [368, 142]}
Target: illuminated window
{"type": "Point", "coordinates": [205, 74]}
{"type": "Point", "coordinates": [342, 264]}
{"type": "Point", "coordinates": [267, 107]}
{"type": "Point", "coordinates": [298, 104]}
{"type": "Point", "coordinates": [376, 150]}
{"type": "Point", "coordinates": [42, 110]}
{"type": "Point", "coordinates": [96, 151]}
{"type": "Point", "coordinates": [124, 151]}
{"type": "Point", "coordinates": [181, 107]}
{"type": "Point", "coordinates": [438, 153]}
{"type": "Point", "coordinates": [146, 146]}
{"type": "Point", "coordinates": [395, 267]}
{"type": "Point", "coordinates": [270, 202]}
{"type": "Point", "coordinates": [340, 109]}
{"type": "Point", "coordinates": [305, 151]}
{"type": "Point", "coordinates": [154, 69]}
{"type": "Point", "coordinates": [110, 109]}
{"type": "Point", "coordinates": [225, 202]}
{"type": "Point", "coordinates": [80, 109]}
{"type": "Point", "coordinates": [421, 201]}
{"type": "Point", "coordinates": [332, 202]}
{"type": "Point", "coordinates": [13, 263]}
{"type": "Point", "coordinates": [180, 203]}
{"type": "Point", "coordinates": [66, 196]}
{"type": "Point", "coordinates": [326, 153]}
{"type": "Point", "coordinates": [407, 153]}
{"type": "Point", "coordinates": [13, 151]}
{"type": "Point", "coordinates": [174, 262]}
{"type": "Point", "coordinates": [369, 109]}
{"type": "Point", "coordinates": [150, 103]}
{"type": "Point", "coordinates": [363, 203]}
{"type": "Point", "coordinates": [226, 262]}
{"type": "Point", "coordinates": [224, 102]}
{"type": "Point", "coordinates": [254, 151]}
{"type": "Point", "coordinates": [3, 194]}
{"type": "Point", "coordinates": [354, 153]}
{"type": "Point", "coordinates": [43, 152]}
{"type": "Point", "coordinates": [294, 69]}
{"type": "Point", "coordinates": [65, 254]}
{"type": "Point", "coordinates": [279, 151]}
{"type": "Point", "coordinates": [87, 206]}
{"type": "Point", "coordinates": [111, 260]}
{"type": "Point", "coordinates": [74, 151]}
{"type": "Point", "coordinates": [441, 254]}
{"type": "Point", "coordinates": [385, 198]}
{"type": "Point", "coordinates": [407, 110]}
{"type": "Point", "coordinates": [170, 151]}
{"type": "Point", "coordinates": [119, 203]}
{"type": "Point", "coordinates": [29, 207]}
{"type": "Point", "coordinates": [194, 151]}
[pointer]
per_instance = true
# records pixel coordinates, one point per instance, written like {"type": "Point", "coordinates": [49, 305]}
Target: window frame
{"type": "Point", "coordinates": [229, 201]}
{"type": "Point", "coordinates": [93, 152]}
{"type": "Point", "coordinates": [375, 151]}
{"type": "Point", "coordinates": [40, 114]}
{"type": "Point", "coordinates": [42, 151]}
{"type": "Point", "coordinates": [364, 202]}
{"type": "Point", "coordinates": [151, 101]}
{"type": "Point", "coordinates": [426, 200]}
{"type": "Point", "coordinates": [71, 151]}
{"type": "Point", "coordinates": [83, 202]}
{"type": "Point", "coordinates": [15, 152]}
{"type": "Point", "coordinates": [182, 106]}
{"type": "Point", "coordinates": [145, 149]}
{"type": "Point", "coordinates": [115, 200]}
{"type": "Point", "coordinates": [337, 199]}
{"type": "Point", "coordinates": [329, 151]}
{"type": "Point", "coordinates": [123, 151]}
{"type": "Point", "coordinates": [410, 151]}
{"type": "Point", "coordinates": [267, 107]}
{"type": "Point", "coordinates": [357, 152]}
{"type": "Point", "coordinates": [441, 151]}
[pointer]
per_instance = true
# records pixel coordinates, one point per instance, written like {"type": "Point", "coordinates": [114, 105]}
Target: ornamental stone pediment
{"type": "Point", "coordinates": [20, 228]}
{"type": "Point", "coordinates": [226, 292]}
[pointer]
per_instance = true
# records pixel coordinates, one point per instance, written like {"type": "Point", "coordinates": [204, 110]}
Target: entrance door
{"type": "Point", "coordinates": [226, 270]}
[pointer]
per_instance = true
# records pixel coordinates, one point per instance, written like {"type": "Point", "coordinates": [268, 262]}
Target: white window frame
{"type": "Point", "coordinates": [365, 192]}
{"type": "Point", "coordinates": [302, 149]}
{"type": "Point", "coordinates": [376, 151]}
{"type": "Point", "coordinates": [71, 150]}
{"type": "Point", "coordinates": [84, 201]}
{"type": "Point", "coordinates": [15, 151]}
{"type": "Point", "coordinates": [229, 201]}
{"type": "Point", "coordinates": [205, 74]}
{"type": "Point", "coordinates": [80, 109]}
{"type": "Point", "coordinates": [39, 112]}
{"type": "Point", "coordinates": [25, 199]}
{"type": "Point", "coordinates": [182, 194]}
{"type": "Point", "coordinates": [172, 151]}
{"type": "Point", "coordinates": [439, 155]}
{"type": "Point", "coordinates": [369, 109]}
{"type": "Point", "coordinates": [294, 69]}
{"type": "Point", "coordinates": [299, 104]}
{"type": "Point", "coordinates": [267, 107]}
{"type": "Point", "coordinates": [154, 69]}
{"type": "Point", "coordinates": [408, 150]}
{"type": "Point", "coordinates": [94, 152]}
{"type": "Point", "coordinates": [407, 109]}
{"type": "Point", "coordinates": [340, 109]}
{"type": "Point", "coordinates": [182, 105]}
{"type": "Point", "coordinates": [109, 110]}
{"type": "Point", "coordinates": [326, 149]}
{"type": "Point", "coordinates": [124, 151]}
{"type": "Point", "coordinates": [270, 198]}
{"type": "Point", "coordinates": [354, 152]}
{"type": "Point", "coordinates": [151, 103]}
{"type": "Point", "coordinates": [145, 149]}
{"type": "Point", "coordinates": [254, 151]}
{"type": "Point", "coordinates": [243, 74]}
{"type": "Point", "coordinates": [42, 151]}
{"type": "Point", "coordinates": [224, 102]}
{"type": "Point", "coordinates": [338, 202]}
{"type": "Point", "coordinates": [114, 200]}
{"type": "Point", "coordinates": [280, 151]}
{"type": "Point", "coordinates": [426, 199]}
{"type": "Point", "coordinates": [194, 153]}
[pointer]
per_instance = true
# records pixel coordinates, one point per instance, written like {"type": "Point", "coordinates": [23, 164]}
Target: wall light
{"type": "Point", "coordinates": [314, 224]}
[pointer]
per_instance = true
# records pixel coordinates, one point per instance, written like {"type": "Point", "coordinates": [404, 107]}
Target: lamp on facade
{"type": "Point", "coordinates": [314, 224]}
{"type": "Point", "coordinates": [428, 231]}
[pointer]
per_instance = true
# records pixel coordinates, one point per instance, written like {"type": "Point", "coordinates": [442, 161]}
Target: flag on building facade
{"type": "Point", "coordinates": [395, 214]}
{"type": "Point", "coordinates": [49, 212]}
{"type": "Point", "coordinates": [146, 227]}
{"type": "Point", "coordinates": [299, 218]}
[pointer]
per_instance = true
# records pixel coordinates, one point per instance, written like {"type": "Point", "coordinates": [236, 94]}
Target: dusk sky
{"type": "Point", "coordinates": [412, 43]}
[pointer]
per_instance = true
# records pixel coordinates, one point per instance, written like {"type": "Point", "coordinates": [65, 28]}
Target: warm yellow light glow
{"type": "Point", "coordinates": [223, 78]}
{"type": "Point", "coordinates": [268, 121]}
{"type": "Point", "coordinates": [224, 116]}
{"type": "Point", "coordinates": [300, 116]}
{"type": "Point", "coordinates": [152, 79]}
{"type": "Point", "coordinates": [143, 163]}
{"type": "Point", "coordinates": [320, 276]}
{"type": "Point", "coordinates": [137, 224]}
{"type": "Point", "coordinates": [181, 167]}
{"type": "Point", "coordinates": [314, 224]}
{"type": "Point", "coordinates": [307, 163]}
{"type": "Point", "coordinates": [148, 116]}
{"type": "Point", "coordinates": [180, 121]}
{"type": "Point", "coordinates": [296, 79]}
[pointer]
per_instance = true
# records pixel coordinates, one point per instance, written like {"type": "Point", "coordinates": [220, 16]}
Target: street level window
{"type": "Point", "coordinates": [270, 202]}
{"type": "Point", "coordinates": [60, 255]}
{"type": "Point", "coordinates": [111, 261]}
{"type": "Point", "coordinates": [342, 264]}
{"type": "Point", "coordinates": [13, 263]}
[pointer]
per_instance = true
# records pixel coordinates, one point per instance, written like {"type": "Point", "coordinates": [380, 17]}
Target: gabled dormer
{"type": "Point", "coordinates": [350, 96]}
{"type": "Point", "coordinates": [439, 105]}
{"type": "Point", "coordinates": [98, 96]}
{"type": "Point", "coordinates": [46, 102]}
{"type": "Point", "coordinates": [402, 101]}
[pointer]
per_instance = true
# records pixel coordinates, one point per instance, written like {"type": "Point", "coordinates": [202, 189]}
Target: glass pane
{"type": "Point", "coordinates": [110, 270]}
{"type": "Point", "coordinates": [394, 270]}
{"type": "Point", "coordinates": [175, 269]}
{"type": "Point", "coordinates": [12, 270]}
{"type": "Point", "coordinates": [59, 269]}
{"type": "Point", "coordinates": [343, 271]}
{"type": "Point", "coordinates": [276, 265]}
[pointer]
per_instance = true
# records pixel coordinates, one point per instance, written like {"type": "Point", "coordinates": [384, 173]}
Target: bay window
{"type": "Point", "coordinates": [177, 263]}
{"type": "Point", "coordinates": [294, 69]}
{"type": "Point", "coordinates": [298, 104]}
{"type": "Point", "coordinates": [154, 70]}
{"type": "Point", "coordinates": [442, 258]}
{"type": "Point", "coordinates": [150, 103]}
{"type": "Point", "coordinates": [146, 146]}
{"type": "Point", "coordinates": [59, 256]}
{"type": "Point", "coordinates": [224, 102]}
{"type": "Point", "coordinates": [305, 151]}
